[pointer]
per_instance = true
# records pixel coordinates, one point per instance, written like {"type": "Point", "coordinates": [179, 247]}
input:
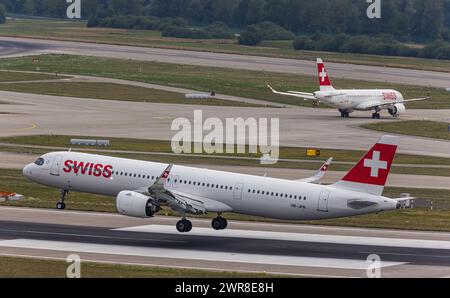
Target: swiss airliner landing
{"type": "Point", "coordinates": [349, 100]}
{"type": "Point", "coordinates": [141, 188]}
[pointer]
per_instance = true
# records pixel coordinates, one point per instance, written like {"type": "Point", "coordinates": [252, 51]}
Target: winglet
{"type": "Point", "coordinates": [166, 172]}
{"type": "Point", "coordinates": [319, 174]}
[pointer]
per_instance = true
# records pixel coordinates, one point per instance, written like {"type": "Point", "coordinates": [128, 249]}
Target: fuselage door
{"type": "Point", "coordinates": [238, 191]}
{"type": "Point", "coordinates": [323, 201]}
{"type": "Point", "coordinates": [56, 166]}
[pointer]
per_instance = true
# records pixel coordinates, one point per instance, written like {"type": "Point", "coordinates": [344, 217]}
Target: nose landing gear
{"type": "Point", "coordinates": [61, 205]}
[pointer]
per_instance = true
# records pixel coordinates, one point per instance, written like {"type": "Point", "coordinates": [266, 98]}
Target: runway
{"type": "Point", "coordinates": [31, 114]}
{"type": "Point", "coordinates": [246, 246]}
{"type": "Point", "coordinates": [20, 46]}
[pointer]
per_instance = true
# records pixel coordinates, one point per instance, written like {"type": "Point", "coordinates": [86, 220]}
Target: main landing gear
{"type": "Point", "coordinates": [219, 223]}
{"type": "Point", "coordinates": [184, 225]}
{"type": "Point", "coordinates": [61, 205]}
{"type": "Point", "coordinates": [344, 113]}
{"type": "Point", "coordinates": [376, 115]}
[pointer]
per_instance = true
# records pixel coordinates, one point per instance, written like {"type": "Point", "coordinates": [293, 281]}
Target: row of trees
{"type": "Point", "coordinates": [378, 45]}
{"type": "Point", "coordinates": [173, 27]}
{"type": "Point", "coordinates": [424, 20]}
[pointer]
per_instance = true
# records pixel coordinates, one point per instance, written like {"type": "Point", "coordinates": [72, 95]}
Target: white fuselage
{"type": "Point", "coordinates": [358, 99]}
{"type": "Point", "coordinates": [246, 194]}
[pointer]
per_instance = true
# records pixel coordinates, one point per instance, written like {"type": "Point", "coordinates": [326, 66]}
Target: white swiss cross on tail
{"type": "Point", "coordinates": [323, 74]}
{"type": "Point", "coordinates": [375, 164]}
{"type": "Point", "coordinates": [371, 172]}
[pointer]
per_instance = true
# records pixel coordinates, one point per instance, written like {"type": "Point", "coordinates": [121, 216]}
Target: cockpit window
{"type": "Point", "coordinates": [39, 161]}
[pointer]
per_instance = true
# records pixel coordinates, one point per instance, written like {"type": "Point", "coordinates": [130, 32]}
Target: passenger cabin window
{"type": "Point", "coordinates": [39, 161]}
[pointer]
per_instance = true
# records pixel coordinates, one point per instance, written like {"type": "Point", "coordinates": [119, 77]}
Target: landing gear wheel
{"type": "Point", "coordinates": [60, 206]}
{"type": "Point", "coordinates": [344, 114]}
{"type": "Point", "coordinates": [376, 116]}
{"type": "Point", "coordinates": [224, 223]}
{"type": "Point", "coordinates": [184, 226]}
{"type": "Point", "coordinates": [219, 223]}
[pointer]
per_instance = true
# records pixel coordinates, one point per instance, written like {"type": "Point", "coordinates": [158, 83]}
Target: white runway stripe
{"type": "Point", "coordinates": [321, 238]}
{"type": "Point", "coordinates": [191, 254]}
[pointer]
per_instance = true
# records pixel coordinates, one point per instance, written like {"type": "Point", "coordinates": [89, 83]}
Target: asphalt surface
{"type": "Point", "coordinates": [21, 46]}
{"type": "Point", "coordinates": [403, 254]}
{"type": "Point", "coordinates": [31, 114]}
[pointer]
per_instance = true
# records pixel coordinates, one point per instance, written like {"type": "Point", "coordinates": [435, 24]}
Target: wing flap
{"type": "Point", "coordinates": [179, 201]}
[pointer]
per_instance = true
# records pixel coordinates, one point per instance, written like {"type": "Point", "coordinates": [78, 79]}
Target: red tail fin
{"type": "Point", "coordinates": [371, 172]}
{"type": "Point", "coordinates": [324, 79]}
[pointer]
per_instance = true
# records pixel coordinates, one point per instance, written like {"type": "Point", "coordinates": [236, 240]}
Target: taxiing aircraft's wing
{"type": "Point", "coordinates": [320, 173]}
{"type": "Point", "coordinates": [182, 202]}
{"type": "Point", "coordinates": [371, 105]}
{"type": "Point", "coordinates": [303, 95]}
{"type": "Point", "coordinates": [416, 99]}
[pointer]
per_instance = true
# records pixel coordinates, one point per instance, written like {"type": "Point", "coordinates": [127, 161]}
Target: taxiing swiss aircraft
{"type": "Point", "coordinates": [141, 188]}
{"type": "Point", "coordinates": [349, 100]}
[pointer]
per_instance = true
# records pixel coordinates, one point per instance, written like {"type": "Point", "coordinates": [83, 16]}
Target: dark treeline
{"type": "Point", "coordinates": [324, 25]}
{"type": "Point", "coordinates": [422, 20]}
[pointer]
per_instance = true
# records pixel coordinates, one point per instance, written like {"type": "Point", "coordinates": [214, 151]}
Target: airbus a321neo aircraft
{"type": "Point", "coordinates": [141, 188]}
{"type": "Point", "coordinates": [349, 100]}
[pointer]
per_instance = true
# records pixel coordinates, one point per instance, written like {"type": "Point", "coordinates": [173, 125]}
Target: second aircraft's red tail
{"type": "Point", "coordinates": [324, 79]}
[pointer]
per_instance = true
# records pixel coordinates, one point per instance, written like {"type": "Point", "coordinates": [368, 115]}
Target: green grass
{"type": "Point", "coordinates": [244, 83]}
{"type": "Point", "coordinates": [18, 267]}
{"type": "Point", "coordinates": [77, 31]}
{"type": "Point", "coordinates": [426, 129]}
{"type": "Point", "coordinates": [112, 91]}
{"type": "Point", "coordinates": [142, 145]}
{"type": "Point", "coordinates": [39, 196]}
{"type": "Point", "coordinates": [11, 76]}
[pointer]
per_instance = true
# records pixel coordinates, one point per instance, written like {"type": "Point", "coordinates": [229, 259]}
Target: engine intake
{"type": "Point", "coordinates": [134, 204]}
{"type": "Point", "coordinates": [397, 109]}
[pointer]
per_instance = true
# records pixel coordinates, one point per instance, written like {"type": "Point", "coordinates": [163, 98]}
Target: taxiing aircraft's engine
{"type": "Point", "coordinates": [397, 109]}
{"type": "Point", "coordinates": [131, 203]}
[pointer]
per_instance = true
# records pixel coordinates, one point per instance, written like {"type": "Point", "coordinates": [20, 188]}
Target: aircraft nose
{"type": "Point", "coordinates": [27, 171]}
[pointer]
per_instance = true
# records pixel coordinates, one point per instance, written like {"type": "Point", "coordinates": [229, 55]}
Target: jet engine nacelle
{"type": "Point", "coordinates": [397, 109]}
{"type": "Point", "coordinates": [134, 204]}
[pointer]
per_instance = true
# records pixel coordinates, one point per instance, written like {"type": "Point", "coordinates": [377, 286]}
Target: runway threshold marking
{"type": "Point", "coordinates": [303, 237]}
{"type": "Point", "coordinates": [189, 254]}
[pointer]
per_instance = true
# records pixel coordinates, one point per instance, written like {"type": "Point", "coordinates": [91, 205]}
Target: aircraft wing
{"type": "Point", "coordinates": [180, 201]}
{"type": "Point", "coordinates": [319, 174]}
{"type": "Point", "coordinates": [303, 95]}
{"type": "Point", "coordinates": [415, 99]}
{"type": "Point", "coordinates": [371, 105]}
